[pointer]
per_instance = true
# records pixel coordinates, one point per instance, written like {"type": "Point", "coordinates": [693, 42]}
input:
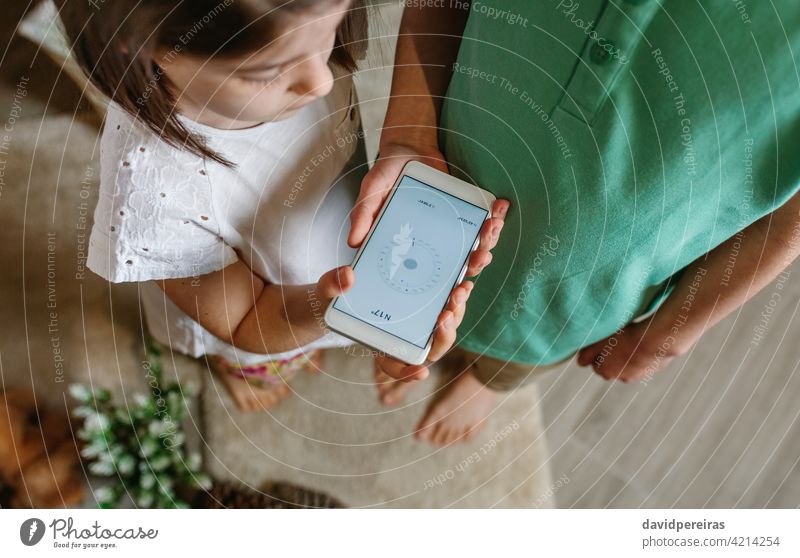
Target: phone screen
{"type": "Point", "coordinates": [412, 261]}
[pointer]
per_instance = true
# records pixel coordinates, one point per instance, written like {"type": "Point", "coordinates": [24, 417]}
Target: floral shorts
{"type": "Point", "coordinates": [265, 374]}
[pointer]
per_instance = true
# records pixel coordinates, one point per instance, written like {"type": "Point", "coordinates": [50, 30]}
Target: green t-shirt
{"type": "Point", "coordinates": [631, 137]}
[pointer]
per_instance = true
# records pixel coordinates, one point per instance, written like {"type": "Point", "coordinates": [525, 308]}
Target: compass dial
{"type": "Point", "coordinates": [414, 271]}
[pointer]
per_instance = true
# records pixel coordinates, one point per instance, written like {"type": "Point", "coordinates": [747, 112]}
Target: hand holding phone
{"type": "Point", "coordinates": [411, 265]}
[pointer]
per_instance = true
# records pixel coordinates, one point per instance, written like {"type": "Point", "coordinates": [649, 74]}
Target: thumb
{"type": "Point", "coordinates": [374, 188]}
{"type": "Point", "coordinates": [335, 282]}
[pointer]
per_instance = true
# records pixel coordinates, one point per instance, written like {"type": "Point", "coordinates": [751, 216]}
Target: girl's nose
{"type": "Point", "coordinates": [314, 77]}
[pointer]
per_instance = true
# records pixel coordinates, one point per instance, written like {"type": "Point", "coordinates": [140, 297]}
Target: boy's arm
{"type": "Point", "coordinates": [427, 46]}
{"type": "Point", "coordinates": [709, 290]}
{"type": "Point", "coordinates": [237, 306]}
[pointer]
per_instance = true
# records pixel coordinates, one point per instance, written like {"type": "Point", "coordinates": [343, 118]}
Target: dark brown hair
{"type": "Point", "coordinates": [115, 43]}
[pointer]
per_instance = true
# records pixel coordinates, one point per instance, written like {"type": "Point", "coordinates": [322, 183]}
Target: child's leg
{"type": "Point", "coordinates": [263, 385]}
{"type": "Point", "coordinates": [470, 397]}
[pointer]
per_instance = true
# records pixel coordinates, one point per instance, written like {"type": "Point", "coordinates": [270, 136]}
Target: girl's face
{"type": "Point", "coordinates": [270, 84]}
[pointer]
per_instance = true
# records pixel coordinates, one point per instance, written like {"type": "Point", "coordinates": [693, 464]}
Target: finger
{"type": "Point", "coordinates": [609, 371]}
{"type": "Point", "coordinates": [490, 233]}
{"type": "Point", "coordinates": [374, 188]}
{"type": "Point", "coordinates": [500, 208]}
{"type": "Point", "coordinates": [444, 336]}
{"type": "Point", "coordinates": [400, 370]}
{"type": "Point", "coordinates": [602, 372]}
{"type": "Point", "coordinates": [458, 301]}
{"type": "Point", "coordinates": [335, 282]}
{"type": "Point", "coordinates": [478, 261]}
{"type": "Point", "coordinates": [586, 355]}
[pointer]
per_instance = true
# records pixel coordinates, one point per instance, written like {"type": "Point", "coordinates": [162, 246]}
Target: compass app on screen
{"type": "Point", "coordinates": [411, 262]}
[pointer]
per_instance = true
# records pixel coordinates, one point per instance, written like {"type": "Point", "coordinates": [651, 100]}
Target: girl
{"type": "Point", "coordinates": [231, 157]}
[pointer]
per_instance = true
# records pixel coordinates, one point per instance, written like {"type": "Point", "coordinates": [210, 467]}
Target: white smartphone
{"type": "Point", "coordinates": [412, 258]}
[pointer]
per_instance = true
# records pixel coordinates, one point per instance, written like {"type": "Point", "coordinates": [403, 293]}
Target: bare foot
{"type": "Point", "coordinates": [459, 414]}
{"type": "Point", "coordinates": [390, 391]}
{"type": "Point", "coordinates": [248, 397]}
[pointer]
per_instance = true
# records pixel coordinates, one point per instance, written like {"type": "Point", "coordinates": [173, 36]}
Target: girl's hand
{"type": "Point", "coordinates": [633, 353]}
{"type": "Point", "coordinates": [309, 311]}
{"type": "Point", "coordinates": [374, 189]}
{"type": "Point", "coordinates": [334, 283]}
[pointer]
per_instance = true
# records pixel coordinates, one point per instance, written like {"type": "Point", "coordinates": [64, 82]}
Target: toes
{"type": "Point", "coordinates": [425, 431]}
{"type": "Point", "coordinates": [424, 435]}
{"type": "Point", "coordinates": [471, 433]}
{"type": "Point", "coordinates": [441, 436]}
{"type": "Point", "coordinates": [272, 396]}
{"type": "Point", "coordinates": [390, 391]}
{"type": "Point", "coordinates": [427, 428]}
{"type": "Point", "coordinates": [255, 399]}
{"type": "Point", "coordinates": [242, 403]}
{"type": "Point", "coordinates": [395, 393]}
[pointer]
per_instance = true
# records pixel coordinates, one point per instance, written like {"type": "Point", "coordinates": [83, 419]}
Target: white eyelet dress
{"type": "Point", "coordinates": [165, 213]}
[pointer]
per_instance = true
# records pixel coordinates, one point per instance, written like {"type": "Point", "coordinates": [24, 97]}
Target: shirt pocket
{"type": "Point", "coordinates": [349, 113]}
{"type": "Point", "coordinates": [348, 132]}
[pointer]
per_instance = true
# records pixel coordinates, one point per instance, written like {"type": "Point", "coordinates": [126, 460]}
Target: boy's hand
{"type": "Point", "coordinates": [633, 353]}
{"type": "Point", "coordinates": [443, 339]}
{"type": "Point", "coordinates": [380, 179]}
{"type": "Point", "coordinates": [374, 189]}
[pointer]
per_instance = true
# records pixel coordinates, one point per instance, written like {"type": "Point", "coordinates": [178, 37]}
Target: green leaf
{"type": "Point", "coordinates": [194, 461]}
{"type": "Point", "coordinates": [93, 449]}
{"type": "Point", "coordinates": [160, 463]}
{"type": "Point", "coordinates": [102, 395]}
{"type": "Point", "coordinates": [147, 481]}
{"type": "Point", "coordinates": [190, 390]}
{"type": "Point", "coordinates": [122, 415]}
{"type": "Point", "coordinates": [82, 411]}
{"type": "Point", "coordinates": [80, 392]}
{"type": "Point", "coordinates": [97, 422]}
{"type": "Point", "coordinates": [145, 499]}
{"type": "Point", "coordinates": [105, 495]}
{"type": "Point", "coordinates": [141, 401]}
{"type": "Point", "coordinates": [126, 464]}
{"type": "Point", "coordinates": [159, 427]}
{"type": "Point", "coordinates": [84, 434]}
{"type": "Point", "coordinates": [201, 480]}
{"type": "Point", "coordinates": [153, 346]}
{"type": "Point", "coordinates": [148, 448]}
{"type": "Point", "coordinates": [101, 468]}
{"type": "Point", "coordinates": [165, 483]}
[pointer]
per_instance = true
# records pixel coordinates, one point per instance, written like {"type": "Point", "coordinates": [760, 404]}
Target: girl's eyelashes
{"type": "Point", "coordinates": [260, 81]}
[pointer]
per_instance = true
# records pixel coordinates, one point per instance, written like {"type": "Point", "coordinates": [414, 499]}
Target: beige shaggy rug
{"type": "Point", "coordinates": [334, 436]}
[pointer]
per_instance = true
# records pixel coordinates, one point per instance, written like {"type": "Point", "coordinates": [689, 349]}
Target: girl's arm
{"type": "Point", "coordinates": [242, 309]}
{"type": "Point", "coordinates": [708, 291]}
